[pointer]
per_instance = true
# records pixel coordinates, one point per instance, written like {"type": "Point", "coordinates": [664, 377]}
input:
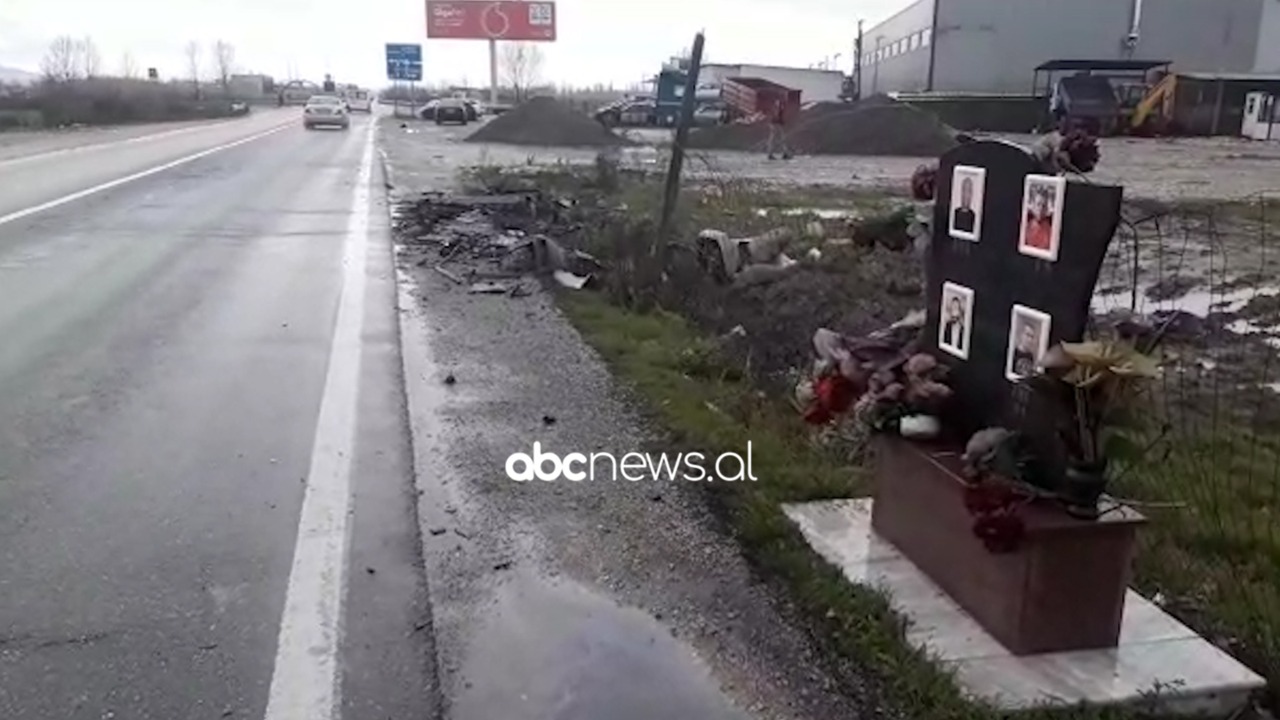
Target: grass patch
{"type": "Point", "coordinates": [1216, 560]}
{"type": "Point", "coordinates": [708, 405]}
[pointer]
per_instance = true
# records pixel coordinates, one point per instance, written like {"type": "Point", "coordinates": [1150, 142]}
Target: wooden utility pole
{"type": "Point", "coordinates": [672, 190]}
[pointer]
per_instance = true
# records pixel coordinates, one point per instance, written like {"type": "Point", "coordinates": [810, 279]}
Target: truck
{"type": "Point", "coordinates": [751, 97]}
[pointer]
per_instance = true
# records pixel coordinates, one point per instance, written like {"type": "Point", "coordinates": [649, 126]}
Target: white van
{"type": "Point", "coordinates": [360, 100]}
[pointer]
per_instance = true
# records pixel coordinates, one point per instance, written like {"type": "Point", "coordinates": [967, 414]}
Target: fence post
{"type": "Point", "coordinates": [671, 193]}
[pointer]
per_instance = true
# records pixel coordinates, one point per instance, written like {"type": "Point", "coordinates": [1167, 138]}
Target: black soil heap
{"type": "Point", "coordinates": [876, 126]}
{"type": "Point", "coordinates": [545, 121]}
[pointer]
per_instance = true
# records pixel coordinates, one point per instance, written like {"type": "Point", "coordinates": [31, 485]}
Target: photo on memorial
{"type": "Point", "coordinates": [968, 186]}
{"type": "Point", "coordinates": [955, 322]}
{"type": "Point", "coordinates": [1028, 342]}
{"type": "Point", "coordinates": [1042, 197]}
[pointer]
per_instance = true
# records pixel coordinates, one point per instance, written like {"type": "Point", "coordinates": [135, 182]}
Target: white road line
{"type": "Point", "coordinates": [110, 143]}
{"type": "Point", "coordinates": [19, 214]}
{"type": "Point", "coordinates": [306, 682]}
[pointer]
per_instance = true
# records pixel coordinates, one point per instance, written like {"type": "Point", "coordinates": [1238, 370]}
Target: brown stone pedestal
{"type": "Point", "coordinates": [1062, 589]}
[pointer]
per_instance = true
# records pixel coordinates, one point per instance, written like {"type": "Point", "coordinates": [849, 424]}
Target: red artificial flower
{"type": "Point", "coordinates": [987, 498]}
{"type": "Point", "coordinates": [1000, 532]}
{"type": "Point", "coordinates": [835, 392]}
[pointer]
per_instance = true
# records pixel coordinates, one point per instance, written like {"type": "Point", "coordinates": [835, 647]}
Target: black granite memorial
{"type": "Point", "coordinates": [1003, 289]}
{"type": "Point", "coordinates": [1011, 270]}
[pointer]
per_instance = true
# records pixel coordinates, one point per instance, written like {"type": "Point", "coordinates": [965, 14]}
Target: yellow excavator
{"type": "Point", "coordinates": [1152, 115]}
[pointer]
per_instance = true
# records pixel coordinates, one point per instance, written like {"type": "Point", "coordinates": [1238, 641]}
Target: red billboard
{"type": "Point", "coordinates": [491, 20]}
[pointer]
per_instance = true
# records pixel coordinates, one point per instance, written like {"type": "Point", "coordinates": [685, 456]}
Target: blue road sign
{"type": "Point", "coordinates": [404, 62]}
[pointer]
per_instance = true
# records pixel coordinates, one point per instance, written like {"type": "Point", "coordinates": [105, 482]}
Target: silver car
{"type": "Point", "coordinates": [326, 110]}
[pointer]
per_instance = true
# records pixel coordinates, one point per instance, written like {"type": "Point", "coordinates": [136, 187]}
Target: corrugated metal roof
{"type": "Point", "coordinates": [1231, 77]}
{"type": "Point", "coordinates": [1103, 65]}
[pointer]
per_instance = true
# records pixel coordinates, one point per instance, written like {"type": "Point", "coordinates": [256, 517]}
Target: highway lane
{"type": "Point", "coordinates": [36, 172]}
{"type": "Point", "coordinates": [192, 364]}
{"type": "Point", "coordinates": [20, 143]}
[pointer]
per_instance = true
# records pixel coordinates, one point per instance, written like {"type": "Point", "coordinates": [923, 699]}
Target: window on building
{"type": "Point", "coordinates": [901, 47]}
{"type": "Point", "coordinates": [926, 36]}
{"type": "Point", "coordinates": [915, 41]}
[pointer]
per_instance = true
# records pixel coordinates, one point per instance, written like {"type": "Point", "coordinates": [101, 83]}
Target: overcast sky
{"type": "Point", "coordinates": [604, 41]}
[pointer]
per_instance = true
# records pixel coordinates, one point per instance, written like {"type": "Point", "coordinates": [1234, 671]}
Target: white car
{"type": "Point", "coordinates": [325, 110]}
{"type": "Point", "coordinates": [360, 100]}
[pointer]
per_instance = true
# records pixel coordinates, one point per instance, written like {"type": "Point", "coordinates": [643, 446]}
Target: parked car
{"type": "Point", "coordinates": [634, 113]}
{"type": "Point", "coordinates": [325, 110]}
{"type": "Point", "coordinates": [447, 110]}
{"type": "Point", "coordinates": [710, 114]}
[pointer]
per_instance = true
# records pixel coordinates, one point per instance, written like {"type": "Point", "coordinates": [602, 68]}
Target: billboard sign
{"type": "Point", "coordinates": [491, 20]}
{"type": "Point", "coordinates": [404, 62]}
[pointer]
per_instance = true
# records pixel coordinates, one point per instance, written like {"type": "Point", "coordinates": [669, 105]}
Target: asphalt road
{"type": "Point", "coordinates": [205, 473]}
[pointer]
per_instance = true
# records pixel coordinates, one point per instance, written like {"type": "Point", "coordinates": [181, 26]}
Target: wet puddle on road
{"type": "Point", "coordinates": [554, 649]}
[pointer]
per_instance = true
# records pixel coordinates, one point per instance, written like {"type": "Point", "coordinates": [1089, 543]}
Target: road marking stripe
{"type": "Point", "coordinates": [111, 143]}
{"type": "Point", "coordinates": [19, 214]}
{"type": "Point", "coordinates": [306, 682]}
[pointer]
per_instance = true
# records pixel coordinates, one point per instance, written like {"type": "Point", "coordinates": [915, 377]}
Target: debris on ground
{"type": "Point", "coordinates": [487, 243]}
{"type": "Point", "coordinates": [878, 125]}
{"type": "Point", "coordinates": [545, 121]}
{"type": "Point", "coordinates": [569, 280]}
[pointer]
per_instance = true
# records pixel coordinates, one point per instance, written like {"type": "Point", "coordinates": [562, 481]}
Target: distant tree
{"type": "Point", "coordinates": [88, 59]}
{"type": "Point", "coordinates": [193, 65]}
{"type": "Point", "coordinates": [521, 67]}
{"type": "Point", "coordinates": [128, 66]}
{"type": "Point", "coordinates": [61, 62]}
{"type": "Point", "coordinates": [224, 60]}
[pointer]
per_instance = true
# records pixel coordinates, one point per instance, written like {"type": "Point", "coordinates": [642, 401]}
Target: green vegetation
{"type": "Point", "coordinates": [706, 403]}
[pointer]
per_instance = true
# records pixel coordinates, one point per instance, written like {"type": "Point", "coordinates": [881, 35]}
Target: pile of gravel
{"type": "Point", "coordinates": [876, 126]}
{"type": "Point", "coordinates": [545, 121]}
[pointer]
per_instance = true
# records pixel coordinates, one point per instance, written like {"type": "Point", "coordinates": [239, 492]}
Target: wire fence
{"type": "Point", "coordinates": [1208, 275]}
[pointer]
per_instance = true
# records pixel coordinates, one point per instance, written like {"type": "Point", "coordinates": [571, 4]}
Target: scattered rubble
{"type": "Point", "coordinates": [876, 126]}
{"type": "Point", "coordinates": [545, 121]}
{"type": "Point", "coordinates": [487, 243]}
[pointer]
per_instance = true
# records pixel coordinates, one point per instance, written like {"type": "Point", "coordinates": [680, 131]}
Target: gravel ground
{"type": "Point", "coordinates": [570, 600]}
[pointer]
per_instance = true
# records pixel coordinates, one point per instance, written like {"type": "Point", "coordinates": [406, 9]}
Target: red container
{"type": "Point", "coordinates": [757, 96]}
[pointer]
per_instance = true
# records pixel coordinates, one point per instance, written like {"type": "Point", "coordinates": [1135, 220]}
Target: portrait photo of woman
{"type": "Point", "coordinates": [1042, 216]}
{"type": "Point", "coordinates": [968, 185]}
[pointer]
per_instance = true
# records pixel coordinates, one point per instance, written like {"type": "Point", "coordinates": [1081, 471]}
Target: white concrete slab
{"type": "Point", "coordinates": [1160, 663]}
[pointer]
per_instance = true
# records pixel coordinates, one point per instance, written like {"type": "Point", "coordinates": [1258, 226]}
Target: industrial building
{"type": "Point", "coordinates": [994, 46]}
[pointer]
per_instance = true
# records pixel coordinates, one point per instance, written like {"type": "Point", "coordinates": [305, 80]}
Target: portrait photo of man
{"type": "Point", "coordinates": [967, 186]}
{"type": "Point", "coordinates": [956, 320]}
{"type": "Point", "coordinates": [1041, 216]}
{"type": "Point", "coordinates": [1028, 342]}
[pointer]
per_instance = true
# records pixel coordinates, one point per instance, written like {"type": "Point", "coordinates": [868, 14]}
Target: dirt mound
{"type": "Point", "coordinates": [876, 126]}
{"type": "Point", "coordinates": [546, 121]}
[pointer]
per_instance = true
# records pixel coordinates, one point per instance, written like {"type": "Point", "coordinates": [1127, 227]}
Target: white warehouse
{"type": "Point", "coordinates": [993, 46]}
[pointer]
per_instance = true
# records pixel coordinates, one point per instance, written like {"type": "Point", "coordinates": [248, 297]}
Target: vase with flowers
{"type": "Point", "coordinates": [1099, 388]}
